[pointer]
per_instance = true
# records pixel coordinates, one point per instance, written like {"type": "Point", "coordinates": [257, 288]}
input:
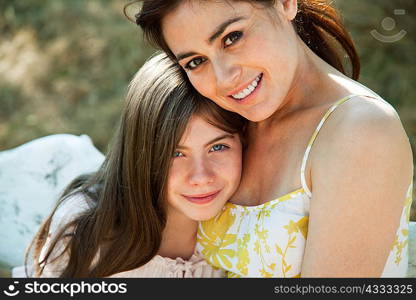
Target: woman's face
{"type": "Point", "coordinates": [241, 56]}
{"type": "Point", "coordinates": [205, 170]}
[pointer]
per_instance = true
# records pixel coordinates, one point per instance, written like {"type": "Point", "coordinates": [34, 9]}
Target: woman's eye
{"type": "Point", "coordinates": [232, 38]}
{"type": "Point", "coordinates": [177, 154]}
{"type": "Point", "coordinates": [194, 63]}
{"type": "Point", "coordinates": [218, 147]}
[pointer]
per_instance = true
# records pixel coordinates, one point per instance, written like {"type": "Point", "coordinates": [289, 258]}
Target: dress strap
{"type": "Point", "coordinates": [312, 140]}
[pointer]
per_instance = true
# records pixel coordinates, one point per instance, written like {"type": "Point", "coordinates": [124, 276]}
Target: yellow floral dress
{"type": "Point", "coordinates": [268, 240]}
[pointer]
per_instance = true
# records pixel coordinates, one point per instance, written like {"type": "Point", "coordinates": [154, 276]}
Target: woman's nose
{"type": "Point", "coordinates": [227, 74]}
{"type": "Point", "coordinates": [201, 173]}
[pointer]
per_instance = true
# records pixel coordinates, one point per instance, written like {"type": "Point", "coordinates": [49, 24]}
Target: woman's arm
{"type": "Point", "coordinates": [361, 168]}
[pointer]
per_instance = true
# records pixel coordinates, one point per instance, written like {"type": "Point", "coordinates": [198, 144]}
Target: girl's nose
{"type": "Point", "coordinates": [201, 173]}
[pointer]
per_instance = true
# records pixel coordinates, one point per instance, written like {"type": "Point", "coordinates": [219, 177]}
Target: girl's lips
{"type": "Point", "coordinates": [202, 198]}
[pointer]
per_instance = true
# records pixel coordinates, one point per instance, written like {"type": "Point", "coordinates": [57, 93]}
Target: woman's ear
{"type": "Point", "coordinates": [289, 8]}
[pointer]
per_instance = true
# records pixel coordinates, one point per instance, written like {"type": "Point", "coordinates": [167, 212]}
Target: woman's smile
{"type": "Point", "coordinates": [247, 91]}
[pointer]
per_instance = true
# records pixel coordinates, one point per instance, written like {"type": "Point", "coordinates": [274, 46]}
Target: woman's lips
{"type": "Point", "coordinates": [252, 94]}
{"type": "Point", "coordinates": [202, 198]}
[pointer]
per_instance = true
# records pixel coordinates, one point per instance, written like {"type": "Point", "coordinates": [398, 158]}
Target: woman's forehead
{"type": "Point", "coordinates": [204, 12]}
{"type": "Point", "coordinates": [198, 20]}
{"type": "Point", "coordinates": [212, 8]}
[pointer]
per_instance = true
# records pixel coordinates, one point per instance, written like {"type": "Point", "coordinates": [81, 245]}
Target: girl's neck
{"type": "Point", "coordinates": [179, 236]}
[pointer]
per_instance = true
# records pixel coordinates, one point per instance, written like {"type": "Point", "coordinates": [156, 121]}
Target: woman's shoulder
{"type": "Point", "coordinates": [361, 171]}
{"type": "Point", "coordinates": [364, 120]}
{"type": "Point", "coordinates": [363, 132]}
{"type": "Point", "coordinates": [369, 109]}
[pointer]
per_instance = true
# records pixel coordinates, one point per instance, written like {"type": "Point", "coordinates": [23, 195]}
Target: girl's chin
{"type": "Point", "coordinates": [199, 217]}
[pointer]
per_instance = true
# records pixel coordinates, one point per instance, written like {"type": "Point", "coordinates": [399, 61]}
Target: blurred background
{"type": "Point", "coordinates": [65, 65]}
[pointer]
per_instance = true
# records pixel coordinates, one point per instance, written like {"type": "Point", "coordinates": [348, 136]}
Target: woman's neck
{"type": "Point", "coordinates": [314, 84]}
{"type": "Point", "coordinates": [179, 236]}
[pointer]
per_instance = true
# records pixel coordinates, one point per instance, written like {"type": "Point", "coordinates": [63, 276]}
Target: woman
{"type": "Point", "coordinates": [333, 148]}
{"type": "Point", "coordinates": [175, 160]}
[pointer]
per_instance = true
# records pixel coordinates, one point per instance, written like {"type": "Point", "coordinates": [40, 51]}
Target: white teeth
{"type": "Point", "coordinates": [248, 90]}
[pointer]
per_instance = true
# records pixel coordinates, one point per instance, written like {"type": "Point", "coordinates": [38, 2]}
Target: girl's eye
{"type": "Point", "coordinates": [232, 38]}
{"type": "Point", "coordinates": [177, 154]}
{"type": "Point", "coordinates": [194, 63]}
{"type": "Point", "coordinates": [218, 147]}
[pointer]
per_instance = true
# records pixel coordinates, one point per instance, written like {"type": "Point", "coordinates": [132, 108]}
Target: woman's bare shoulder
{"type": "Point", "coordinates": [360, 172]}
{"type": "Point", "coordinates": [363, 147]}
{"type": "Point", "coordinates": [367, 122]}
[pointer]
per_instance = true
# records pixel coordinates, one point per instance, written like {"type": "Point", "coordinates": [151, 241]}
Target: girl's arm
{"type": "Point", "coordinates": [67, 212]}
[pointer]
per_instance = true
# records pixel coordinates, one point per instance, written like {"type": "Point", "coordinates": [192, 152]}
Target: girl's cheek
{"type": "Point", "coordinates": [177, 168]}
{"type": "Point", "coordinates": [232, 162]}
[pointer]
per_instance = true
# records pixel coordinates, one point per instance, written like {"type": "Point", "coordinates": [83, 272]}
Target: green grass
{"type": "Point", "coordinates": [5, 271]}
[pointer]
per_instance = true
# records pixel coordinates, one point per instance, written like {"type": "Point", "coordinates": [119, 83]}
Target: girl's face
{"type": "Point", "coordinates": [240, 55]}
{"type": "Point", "coordinates": [205, 170]}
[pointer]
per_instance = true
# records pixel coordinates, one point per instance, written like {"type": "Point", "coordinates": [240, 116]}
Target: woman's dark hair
{"type": "Point", "coordinates": [317, 23]}
{"type": "Point", "coordinates": [126, 196]}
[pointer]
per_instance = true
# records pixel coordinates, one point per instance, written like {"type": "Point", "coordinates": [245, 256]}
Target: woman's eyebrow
{"type": "Point", "coordinates": [181, 56]}
{"type": "Point", "coordinates": [217, 32]}
{"type": "Point", "coordinates": [222, 27]}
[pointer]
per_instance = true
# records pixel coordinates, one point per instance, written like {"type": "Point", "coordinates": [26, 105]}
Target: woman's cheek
{"type": "Point", "coordinates": [199, 88]}
{"type": "Point", "coordinates": [204, 80]}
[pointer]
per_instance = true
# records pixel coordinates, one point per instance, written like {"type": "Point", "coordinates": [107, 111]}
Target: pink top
{"type": "Point", "coordinates": [158, 266]}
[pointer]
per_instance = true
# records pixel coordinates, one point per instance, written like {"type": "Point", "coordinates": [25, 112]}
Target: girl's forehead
{"type": "Point", "coordinates": [198, 123]}
{"type": "Point", "coordinates": [200, 130]}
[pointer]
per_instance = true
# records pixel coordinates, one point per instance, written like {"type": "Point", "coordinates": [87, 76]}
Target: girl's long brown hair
{"type": "Point", "coordinates": [126, 196]}
{"type": "Point", "coordinates": [317, 23]}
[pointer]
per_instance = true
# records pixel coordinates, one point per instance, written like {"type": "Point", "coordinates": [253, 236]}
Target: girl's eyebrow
{"type": "Point", "coordinates": [221, 137]}
{"type": "Point", "coordinates": [225, 136]}
{"type": "Point", "coordinates": [217, 32]}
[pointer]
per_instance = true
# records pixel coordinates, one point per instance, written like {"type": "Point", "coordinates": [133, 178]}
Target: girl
{"type": "Point", "coordinates": [326, 185]}
{"type": "Point", "coordinates": [175, 160]}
